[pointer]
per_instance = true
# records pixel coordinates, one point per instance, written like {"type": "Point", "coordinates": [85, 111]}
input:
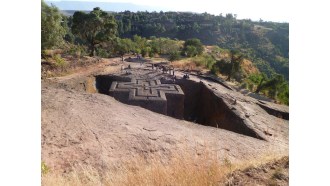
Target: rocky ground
{"type": "Point", "coordinates": [80, 126]}
{"type": "Point", "coordinates": [272, 173]}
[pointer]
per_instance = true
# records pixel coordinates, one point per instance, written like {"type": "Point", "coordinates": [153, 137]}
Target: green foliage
{"type": "Point", "coordinates": [102, 53]}
{"type": "Point", "coordinates": [59, 61]}
{"type": "Point", "coordinates": [164, 45]}
{"type": "Point", "coordinates": [193, 47]}
{"type": "Point", "coordinates": [264, 67]}
{"type": "Point", "coordinates": [230, 67]}
{"type": "Point", "coordinates": [152, 54]}
{"type": "Point", "coordinates": [124, 46]}
{"type": "Point", "coordinates": [175, 55]}
{"type": "Point", "coordinates": [77, 50]}
{"type": "Point", "coordinates": [144, 52]}
{"type": "Point", "coordinates": [261, 42]}
{"type": "Point", "coordinates": [283, 95]}
{"type": "Point", "coordinates": [148, 50]}
{"type": "Point", "coordinates": [215, 69]}
{"type": "Point", "coordinates": [235, 64]}
{"type": "Point", "coordinates": [95, 28]}
{"type": "Point", "coordinates": [66, 24]}
{"type": "Point", "coordinates": [221, 66]}
{"type": "Point", "coordinates": [275, 87]}
{"type": "Point", "coordinates": [140, 42]}
{"type": "Point", "coordinates": [190, 51]}
{"type": "Point", "coordinates": [253, 80]}
{"type": "Point", "coordinates": [44, 168]}
{"type": "Point", "coordinates": [205, 60]}
{"type": "Point", "coordinates": [272, 84]}
{"type": "Point", "coordinates": [52, 32]}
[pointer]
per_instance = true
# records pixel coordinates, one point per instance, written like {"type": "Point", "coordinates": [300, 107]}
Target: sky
{"type": "Point", "coordinates": [271, 10]}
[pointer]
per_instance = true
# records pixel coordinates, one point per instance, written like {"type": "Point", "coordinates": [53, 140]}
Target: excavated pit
{"type": "Point", "coordinates": [274, 112]}
{"type": "Point", "coordinates": [200, 105]}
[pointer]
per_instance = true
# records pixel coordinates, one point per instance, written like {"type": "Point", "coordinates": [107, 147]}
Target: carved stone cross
{"type": "Point", "coordinates": [150, 94]}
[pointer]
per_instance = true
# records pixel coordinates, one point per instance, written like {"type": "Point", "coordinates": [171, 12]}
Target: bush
{"type": "Point", "coordinates": [144, 52]}
{"type": "Point", "coordinates": [174, 56]}
{"type": "Point", "coordinates": [222, 67]}
{"type": "Point", "coordinates": [102, 53]}
{"type": "Point", "coordinates": [152, 52]}
{"type": "Point", "coordinates": [283, 95]}
{"type": "Point", "coordinates": [215, 69]}
{"type": "Point", "coordinates": [193, 47]}
{"type": "Point", "coordinates": [59, 61]}
{"type": "Point", "coordinates": [204, 60]}
{"type": "Point", "coordinates": [191, 51]}
{"type": "Point", "coordinates": [77, 51]}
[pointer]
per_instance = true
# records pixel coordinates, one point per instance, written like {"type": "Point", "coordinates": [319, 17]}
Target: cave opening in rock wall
{"type": "Point", "coordinates": [195, 102]}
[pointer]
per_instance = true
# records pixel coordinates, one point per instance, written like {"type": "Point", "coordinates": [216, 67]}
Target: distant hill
{"type": "Point", "coordinates": [266, 44]}
{"type": "Point", "coordinates": [107, 6]}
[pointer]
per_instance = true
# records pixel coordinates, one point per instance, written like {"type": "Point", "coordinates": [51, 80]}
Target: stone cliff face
{"type": "Point", "coordinates": [204, 107]}
{"type": "Point", "coordinates": [214, 111]}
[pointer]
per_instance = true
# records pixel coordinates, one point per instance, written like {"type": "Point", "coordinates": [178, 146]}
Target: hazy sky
{"type": "Point", "coordinates": [270, 10]}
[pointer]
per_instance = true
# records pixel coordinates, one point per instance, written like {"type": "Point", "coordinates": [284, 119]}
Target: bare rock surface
{"type": "Point", "coordinates": [81, 127]}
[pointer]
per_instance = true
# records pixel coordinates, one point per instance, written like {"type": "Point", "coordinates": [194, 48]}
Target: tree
{"type": "Point", "coordinates": [123, 46]}
{"type": "Point", "coordinates": [191, 51]}
{"type": "Point", "coordinates": [66, 24]}
{"type": "Point", "coordinates": [261, 81]}
{"type": "Point", "coordinates": [273, 85]}
{"type": "Point", "coordinates": [193, 47]}
{"type": "Point", "coordinates": [140, 44]}
{"type": "Point", "coordinates": [175, 55]}
{"type": "Point", "coordinates": [95, 27]}
{"type": "Point", "coordinates": [52, 32]}
{"type": "Point", "coordinates": [235, 63]}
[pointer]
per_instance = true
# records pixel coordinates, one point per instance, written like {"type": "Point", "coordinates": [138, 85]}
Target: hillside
{"type": "Point", "coordinates": [266, 44]}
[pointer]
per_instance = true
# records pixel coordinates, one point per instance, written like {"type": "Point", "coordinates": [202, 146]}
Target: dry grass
{"type": "Point", "coordinates": [184, 64]}
{"type": "Point", "coordinates": [182, 169]}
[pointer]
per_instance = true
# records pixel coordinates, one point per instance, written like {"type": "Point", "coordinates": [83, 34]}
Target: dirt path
{"type": "Point", "coordinates": [106, 66]}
